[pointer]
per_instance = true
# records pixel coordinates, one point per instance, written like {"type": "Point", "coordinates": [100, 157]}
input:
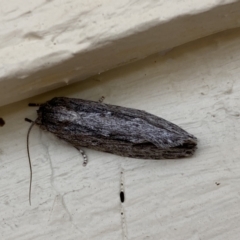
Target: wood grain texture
{"type": "Point", "coordinates": [105, 35]}
{"type": "Point", "coordinates": [197, 87]}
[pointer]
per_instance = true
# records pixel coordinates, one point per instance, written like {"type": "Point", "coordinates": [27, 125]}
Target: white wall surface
{"type": "Point", "coordinates": [195, 86]}
{"type": "Point", "coordinates": [48, 44]}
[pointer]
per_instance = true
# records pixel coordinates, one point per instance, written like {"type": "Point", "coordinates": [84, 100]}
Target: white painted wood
{"type": "Point", "coordinates": [195, 86]}
{"type": "Point", "coordinates": [48, 44]}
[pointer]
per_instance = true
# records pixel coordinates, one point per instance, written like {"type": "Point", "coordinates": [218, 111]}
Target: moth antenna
{"type": "Point", "coordinates": [29, 159]}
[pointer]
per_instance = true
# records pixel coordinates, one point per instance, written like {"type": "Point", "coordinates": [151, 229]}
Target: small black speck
{"type": "Point", "coordinates": [122, 196]}
{"type": "Point", "coordinates": [2, 122]}
{"type": "Point", "coordinates": [217, 183]}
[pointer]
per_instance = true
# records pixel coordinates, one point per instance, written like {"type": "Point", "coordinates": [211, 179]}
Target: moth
{"type": "Point", "coordinates": [113, 129]}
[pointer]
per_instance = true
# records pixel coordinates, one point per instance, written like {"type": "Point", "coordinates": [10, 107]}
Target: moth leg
{"type": "Point", "coordinates": [34, 104]}
{"type": "Point", "coordinates": [101, 99]}
{"type": "Point", "coordinates": [85, 159]}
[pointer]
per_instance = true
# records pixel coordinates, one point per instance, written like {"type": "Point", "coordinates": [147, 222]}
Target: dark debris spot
{"type": "Point", "coordinates": [2, 122]}
{"type": "Point", "coordinates": [122, 196]}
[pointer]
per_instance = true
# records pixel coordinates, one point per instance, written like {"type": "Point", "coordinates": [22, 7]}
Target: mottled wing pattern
{"type": "Point", "coordinates": [118, 130]}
